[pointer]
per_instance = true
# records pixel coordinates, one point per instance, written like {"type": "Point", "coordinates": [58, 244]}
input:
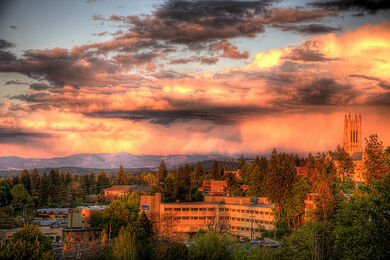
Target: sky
{"type": "Point", "coordinates": [190, 77]}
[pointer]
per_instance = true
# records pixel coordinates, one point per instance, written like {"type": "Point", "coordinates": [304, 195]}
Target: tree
{"type": "Point", "coordinates": [311, 241]}
{"type": "Point", "coordinates": [5, 193]}
{"type": "Point", "coordinates": [216, 170]}
{"type": "Point", "coordinates": [162, 172]}
{"type": "Point", "coordinates": [35, 180]}
{"type": "Point", "coordinates": [20, 198]}
{"type": "Point", "coordinates": [345, 161]}
{"type": "Point", "coordinates": [102, 181]}
{"type": "Point", "coordinates": [199, 172]}
{"type": "Point", "coordinates": [362, 229]}
{"type": "Point", "coordinates": [374, 163]}
{"type": "Point", "coordinates": [25, 180]}
{"type": "Point", "coordinates": [133, 242]}
{"type": "Point", "coordinates": [173, 251]}
{"type": "Point", "coordinates": [43, 190]}
{"type": "Point", "coordinates": [183, 181]}
{"type": "Point", "coordinates": [213, 246]}
{"type": "Point", "coordinates": [148, 178]}
{"type": "Point", "coordinates": [28, 243]}
{"type": "Point", "coordinates": [242, 162]}
{"type": "Point", "coordinates": [231, 183]}
{"type": "Point", "coordinates": [122, 177]}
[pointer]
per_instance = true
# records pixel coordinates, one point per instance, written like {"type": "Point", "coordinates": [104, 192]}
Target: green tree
{"type": "Point", "coordinates": [43, 190]}
{"type": "Point", "coordinates": [311, 241]}
{"type": "Point", "coordinates": [173, 251]}
{"type": "Point", "coordinates": [28, 243]}
{"type": "Point", "coordinates": [231, 183]}
{"type": "Point", "coordinates": [122, 177]}
{"type": "Point", "coordinates": [242, 162]}
{"type": "Point", "coordinates": [20, 198]}
{"type": "Point", "coordinates": [362, 229]}
{"type": "Point", "coordinates": [102, 181]}
{"type": "Point", "coordinates": [199, 173]}
{"type": "Point", "coordinates": [133, 242]}
{"type": "Point", "coordinates": [216, 170]}
{"type": "Point", "coordinates": [25, 180]}
{"type": "Point", "coordinates": [5, 193]}
{"type": "Point", "coordinates": [35, 180]}
{"type": "Point", "coordinates": [374, 163]}
{"type": "Point", "coordinates": [162, 172]}
{"type": "Point", "coordinates": [213, 246]}
{"type": "Point", "coordinates": [345, 161]}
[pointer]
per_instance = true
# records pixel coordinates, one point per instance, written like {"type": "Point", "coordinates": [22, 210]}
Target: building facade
{"type": "Point", "coordinates": [79, 217]}
{"type": "Point", "coordinates": [124, 190]}
{"type": "Point", "coordinates": [240, 216]}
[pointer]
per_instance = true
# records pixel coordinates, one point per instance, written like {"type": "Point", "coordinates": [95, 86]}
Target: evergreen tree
{"type": "Point", "coordinates": [122, 177]}
{"type": "Point", "coordinates": [216, 170]}
{"type": "Point", "coordinates": [199, 173]}
{"type": "Point", "coordinates": [25, 180]}
{"type": "Point", "coordinates": [35, 180]}
{"type": "Point", "coordinates": [345, 161]}
{"type": "Point", "coordinates": [102, 181]}
{"type": "Point", "coordinates": [162, 172]}
{"type": "Point", "coordinates": [54, 184]}
{"type": "Point", "coordinates": [43, 190]}
{"type": "Point", "coordinates": [242, 162]}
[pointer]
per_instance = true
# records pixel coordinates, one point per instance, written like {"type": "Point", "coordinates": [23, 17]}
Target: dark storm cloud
{"type": "Point", "coordinates": [306, 54]}
{"type": "Point", "coordinates": [381, 83]}
{"type": "Point", "coordinates": [214, 114]}
{"type": "Point", "coordinates": [57, 66]}
{"type": "Point", "coordinates": [39, 86]}
{"type": "Point", "coordinates": [369, 6]}
{"type": "Point", "coordinates": [13, 27]}
{"type": "Point", "coordinates": [325, 91]}
{"type": "Point", "coordinates": [308, 29]}
{"type": "Point", "coordinates": [5, 44]}
{"type": "Point", "coordinates": [20, 136]}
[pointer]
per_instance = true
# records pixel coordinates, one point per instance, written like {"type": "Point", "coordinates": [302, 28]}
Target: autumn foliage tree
{"type": "Point", "coordinates": [375, 166]}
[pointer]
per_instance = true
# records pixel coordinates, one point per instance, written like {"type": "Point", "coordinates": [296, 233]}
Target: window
{"type": "Point", "coordinates": [195, 217]}
{"type": "Point", "coordinates": [186, 209]}
{"type": "Point", "coordinates": [261, 213]}
{"type": "Point", "coordinates": [168, 209]}
{"type": "Point", "coordinates": [177, 209]}
{"type": "Point", "coordinates": [211, 209]}
{"type": "Point", "coordinates": [194, 209]}
{"type": "Point", "coordinates": [184, 218]}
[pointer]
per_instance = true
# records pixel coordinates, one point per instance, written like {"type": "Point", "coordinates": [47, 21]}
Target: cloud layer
{"type": "Point", "coordinates": [125, 94]}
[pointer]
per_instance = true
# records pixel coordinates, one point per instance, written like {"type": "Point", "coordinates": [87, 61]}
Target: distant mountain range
{"type": "Point", "coordinates": [103, 161]}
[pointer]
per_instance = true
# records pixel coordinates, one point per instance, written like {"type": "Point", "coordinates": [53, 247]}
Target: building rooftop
{"type": "Point", "coordinates": [97, 207]}
{"type": "Point", "coordinates": [128, 188]}
{"type": "Point", "coordinates": [54, 210]}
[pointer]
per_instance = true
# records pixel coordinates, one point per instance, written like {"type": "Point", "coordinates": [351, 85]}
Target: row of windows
{"type": "Point", "coordinates": [221, 209]}
{"type": "Point", "coordinates": [246, 211]}
{"type": "Point", "coordinates": [189, 209]}
{"type": "Point", "coordinates": [225, 218]}
{"type": "Point", "coordinates": [195, 218]}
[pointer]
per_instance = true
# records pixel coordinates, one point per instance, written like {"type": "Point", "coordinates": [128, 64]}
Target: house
{"type": "Point", "coordinates": [124, 190]}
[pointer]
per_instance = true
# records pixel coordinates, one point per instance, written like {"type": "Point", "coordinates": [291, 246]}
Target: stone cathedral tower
{"type": "Point", "coordinates": [352, 134]}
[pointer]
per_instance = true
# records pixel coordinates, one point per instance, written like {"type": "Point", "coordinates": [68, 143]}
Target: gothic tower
{"type": "Point", "coordinates": [352, 134]}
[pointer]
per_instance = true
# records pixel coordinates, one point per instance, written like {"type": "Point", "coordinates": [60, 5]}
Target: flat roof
{"type": "Point", "coordinates": [259, 205]}
{"type": "Point", "coordinates": [128, 188]}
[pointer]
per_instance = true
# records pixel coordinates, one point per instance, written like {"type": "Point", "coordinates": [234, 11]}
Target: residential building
{"type": "Point", "coordinates": [79, 217]}
{"type": "Point", "coordinates": [53, 212]}
{"type": "Point", "coordinates": [124, 190]}
{"type": "Point", "coordinates": [240, 216]}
